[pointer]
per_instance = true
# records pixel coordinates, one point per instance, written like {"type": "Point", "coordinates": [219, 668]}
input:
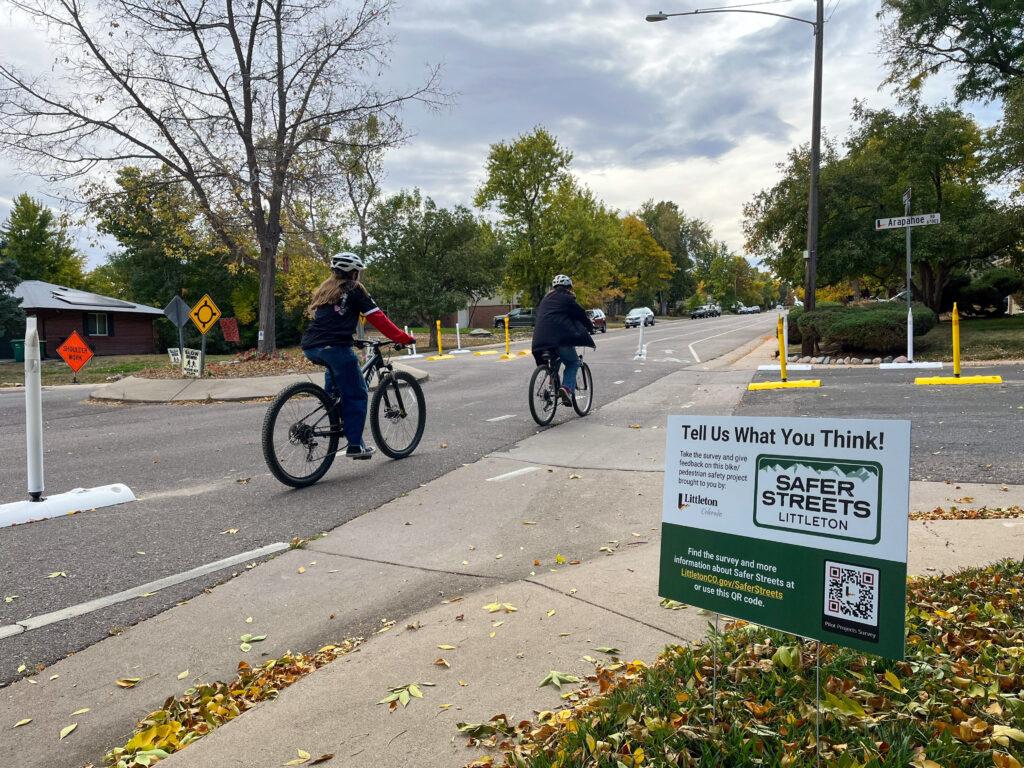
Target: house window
{"type": "Point", "coordinates": [96, 324]}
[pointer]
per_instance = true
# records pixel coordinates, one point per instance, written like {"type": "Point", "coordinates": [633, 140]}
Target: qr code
{"type": "Point", "coordinates": [851, 593]}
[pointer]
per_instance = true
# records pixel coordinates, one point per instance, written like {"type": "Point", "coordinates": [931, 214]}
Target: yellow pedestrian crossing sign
{"type": "Point", "coordinates": [204, 314]}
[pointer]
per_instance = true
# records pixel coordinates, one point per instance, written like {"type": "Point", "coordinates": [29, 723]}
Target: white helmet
{"type": "Point", "coordinates": [346, 261]}
{"type": "Point", "coordinates": [562, 280]}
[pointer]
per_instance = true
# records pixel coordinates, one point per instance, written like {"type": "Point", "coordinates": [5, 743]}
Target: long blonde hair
{"type": "Point", "coordinates": [330, 291]}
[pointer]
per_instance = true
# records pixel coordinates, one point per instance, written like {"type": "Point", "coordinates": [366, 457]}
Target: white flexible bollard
{"type": "Point", "coordinates": [458, 341]}
{"type": "Point", "coordinates": [33, 411]}
{"type": "Point", "coordinates": [641, 353]}
{"type": "Point", "coordinates": [910, 335]}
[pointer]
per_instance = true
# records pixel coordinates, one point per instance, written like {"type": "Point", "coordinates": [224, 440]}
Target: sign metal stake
{"type": "Point", "coordinates": [714, 673]}
{"type": "Point", "coordinates": [817, 702]}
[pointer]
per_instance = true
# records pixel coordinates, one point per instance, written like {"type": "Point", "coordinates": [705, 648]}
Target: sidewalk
{"type": "Point", "coordinates": [138, 390]}
{"type": "Point", "coordinates": [588, 490]}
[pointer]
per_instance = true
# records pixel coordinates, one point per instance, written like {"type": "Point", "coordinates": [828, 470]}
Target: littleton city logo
{"type": "Point", "coordinates": [819, 497]}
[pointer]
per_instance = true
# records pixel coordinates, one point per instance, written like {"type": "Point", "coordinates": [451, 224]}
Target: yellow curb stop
{"type": "Point", "coordinates": [798, 384]}
{"type": "Point", "coordinates": [486, 352]}
{"type": "Point", "coordinates": [441, 357]}
{"type": "Point", "coordinates": [928, 381]}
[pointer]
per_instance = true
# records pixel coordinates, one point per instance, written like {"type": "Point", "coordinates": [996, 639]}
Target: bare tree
{"type": "Point", "coordinates": [238, 98]}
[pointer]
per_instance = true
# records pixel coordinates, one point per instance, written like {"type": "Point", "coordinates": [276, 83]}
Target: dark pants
{"type": "Point", "coordinates": [568, 357]}
{"type": "Point", "coordinates": [344, 378]}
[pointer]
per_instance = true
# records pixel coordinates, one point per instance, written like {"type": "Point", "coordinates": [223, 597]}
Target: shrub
{"type": "Point", "coordinates": [879, 327]}
{"type": "Point", "coordinates": [986, 293]}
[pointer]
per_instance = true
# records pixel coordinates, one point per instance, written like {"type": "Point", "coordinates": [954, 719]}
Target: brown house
{"type": "Point", "coordinates": [109, 326]}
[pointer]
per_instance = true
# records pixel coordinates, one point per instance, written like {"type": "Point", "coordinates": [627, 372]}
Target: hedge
{"type": "Point", "coordinates": [880, 327]}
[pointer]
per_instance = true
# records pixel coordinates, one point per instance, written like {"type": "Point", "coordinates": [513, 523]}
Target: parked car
{"type": "Point", "coordinates": [523, 317]}
{"type": "Point", "coordinates": [706, 310]}
{"type": "Point", "coordinates": [744, 310]}
{"type": "Point", "coordinates": [598, 319]}
{"type": "Point", "coordinates": [639, 315]}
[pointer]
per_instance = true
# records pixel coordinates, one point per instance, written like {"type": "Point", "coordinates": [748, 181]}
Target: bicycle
{"type": "Point", "coordinates": [303, 425]}
{"type": "Point", "coordinates": [545, 385]}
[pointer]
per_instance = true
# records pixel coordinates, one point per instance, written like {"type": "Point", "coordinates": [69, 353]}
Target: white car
{"type": "Point", "coordinates": [639, 315]}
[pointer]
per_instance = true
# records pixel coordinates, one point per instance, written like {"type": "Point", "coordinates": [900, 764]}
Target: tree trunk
{"type": "Point", "coordinates": [267, 343]}
{"type": "Point", "coordinates": [933, 283]}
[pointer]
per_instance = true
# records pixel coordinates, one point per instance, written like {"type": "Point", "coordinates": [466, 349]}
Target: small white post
{"type": "Point", "coordinates": [410, 350]}
{"type": "Point", "coordinates": [458, 337]}
{"type": "Point", "coordinates": [640, 343]}
{"type": "Point", "coordinates": [910, 335]}
{"type": "Point", "coordinates": [33, 411]}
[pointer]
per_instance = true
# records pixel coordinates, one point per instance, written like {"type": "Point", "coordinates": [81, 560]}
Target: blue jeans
{"type": "Point", "coordinates": [344, 378]}
{"type": "Point", "coordinates": [567, 356]}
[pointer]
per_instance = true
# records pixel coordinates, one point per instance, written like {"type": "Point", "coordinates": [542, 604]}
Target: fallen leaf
{"type": "Point", "coordinates": [248, 619]}
{"type": "Point", "coordinates": [498, 557]}
{"type": "Point", "coordinates": [574, 476]}
{"type": "Point", "coordinates": [446, 647]}
{"type": "Point", "coordinates": [323, 758]}
{"type": "Point", "coordinates": [57, 574]}
{"type": "Point", "coordinates": [529, 522]}
{"type": "Point", "coordinates": [67, 730]}
{"type": "Point", "coordinates": [127, 682]}
{"type": "Point", "coordinates": [559, 559]}
{"type": "Point", "coordinates": [607, 649]}
{"type": "Point", "coordinates": [302, 569]}
{"type": "Point", "coordinates": [20, 723]}
{"type": "Point", "coordinates": [551, 612]}
{"type": "Point", "coordinates": [634, 426]}
{"type": "Point", "coordinates": [10, 598]}
{"type": "Point", "coordinates": [81, 711]}
{"type": "Point", "coordinates": [557, 679]}
{"type": "Point", "coordinates": [442, 662]}
{"type": "Point", "coordinates": [495, 607]}
{"type": "Point", "coordinates": [183, 675]}
{"type": "Point", "coordinates": [229, 531]}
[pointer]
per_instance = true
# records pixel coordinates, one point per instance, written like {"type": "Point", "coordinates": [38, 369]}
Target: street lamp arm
{"type": "Point", "coordinates": [699, 12]}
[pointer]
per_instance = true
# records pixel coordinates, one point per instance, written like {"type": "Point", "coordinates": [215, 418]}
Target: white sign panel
{"type": "Point", "coordinates": [175, 354]}
{"type": "Point", "coordinates": [191, 365]}
{"type": "Point", "coordinates": [899, 222]}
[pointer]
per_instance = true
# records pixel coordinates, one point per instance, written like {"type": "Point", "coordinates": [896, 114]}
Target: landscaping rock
{"type": "Point", "coordinates": [480, 332]}
{"type": "Point", "coordinates": [793, 358]}
{"type": "Point", "coordinates": [887, 359]}
{"type": "Point", "coordinates": [827, 360]}
{"type": "Point", "coordinates": [804, 359]}
{"type": "Point", "coordinates": [877, 361]}
{"type": "Point", "coordinates": [901, 359]}
{"type": "Point", "coordinates": [854, 361]}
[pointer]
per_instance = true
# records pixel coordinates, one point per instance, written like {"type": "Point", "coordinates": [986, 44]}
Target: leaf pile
{"type": "Point", "coordinates": [962, 513]}
{"type": "Point", "coordinates": [955, 701]}
{"type": "Point", "coordinates": [182, 720]}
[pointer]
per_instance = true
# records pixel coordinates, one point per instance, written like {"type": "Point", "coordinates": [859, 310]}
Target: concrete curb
{"type": "Point", "coordinates": [138, 390]}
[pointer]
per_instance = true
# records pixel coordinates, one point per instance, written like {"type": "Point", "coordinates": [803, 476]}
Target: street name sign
{"type": "Point", "coordinates": [192, 362]}
{"type": "Point", "coordinates": [177, 311]}
{"type": "Point", "coordinates": [899, 222]}
{"type": "Point", "coordinates": [204, 314]}
{"type": "Point", "coordinates": [75, 352]}
{"type": "Point", "coordinates": [795, 524]}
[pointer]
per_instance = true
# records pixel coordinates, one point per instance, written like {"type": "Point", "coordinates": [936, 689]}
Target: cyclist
{"type": "Point", "coordinates": [334, 311]}
{"type": "Point", "coordinates": [562, 325]}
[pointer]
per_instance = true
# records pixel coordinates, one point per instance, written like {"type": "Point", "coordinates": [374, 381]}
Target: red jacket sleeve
{"type": "Point", "coordinates": [382, 323]}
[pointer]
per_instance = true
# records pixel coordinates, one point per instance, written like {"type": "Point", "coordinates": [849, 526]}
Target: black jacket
{"type": "Point", "coordinates": [561, 322]}
{"type": "Point", "coordinates": [334, 325]}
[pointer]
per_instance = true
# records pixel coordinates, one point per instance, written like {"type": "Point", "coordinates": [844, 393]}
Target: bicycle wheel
{"type": "Point", "coordinates": [398, 414]}
{"type": "Point", "coordinates": [543, 398]}
{"type": "Point", "coordinates": [300, 434]}
{"type": "Point", "coordinates": [583, 397]}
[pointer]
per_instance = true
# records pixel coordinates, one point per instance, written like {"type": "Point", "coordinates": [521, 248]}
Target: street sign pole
{"type": "Point", "coordinates": [910, 310]}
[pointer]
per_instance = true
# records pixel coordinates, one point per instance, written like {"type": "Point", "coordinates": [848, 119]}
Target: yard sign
{"type": "Point", "coordinates": [795, 524]}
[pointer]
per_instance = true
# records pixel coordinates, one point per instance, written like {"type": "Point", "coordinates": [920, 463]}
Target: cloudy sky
{"type": "Point", "coordinates": [696, 110]}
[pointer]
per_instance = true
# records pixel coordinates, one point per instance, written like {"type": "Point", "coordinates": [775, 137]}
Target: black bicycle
{"type": "Point", "coordinates": [545, 385]}
{"type": "Point", "coordinates": [303, 426]}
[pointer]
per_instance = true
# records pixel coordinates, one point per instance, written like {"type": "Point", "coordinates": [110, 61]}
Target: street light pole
{"type": "Point", "coordinates": [811, 255]}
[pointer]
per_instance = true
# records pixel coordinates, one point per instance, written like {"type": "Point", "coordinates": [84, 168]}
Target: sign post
{"type": "Point", "coordinates": [177, 312]}
{"type": "Point", "coordinates": [76, 353]}
{"type": "Point", "coordinates": [796, 524]}
{"type": "Point", "coordinates": [907, 222]}
{"type": "Point", "coordinates": [204, 315]}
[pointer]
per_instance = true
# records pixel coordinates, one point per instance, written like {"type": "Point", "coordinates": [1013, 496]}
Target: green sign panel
{"type": "Point", "coordinates": [796, 524]}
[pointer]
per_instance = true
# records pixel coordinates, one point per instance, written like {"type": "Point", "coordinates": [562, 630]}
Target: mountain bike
{"type": "Point", "coordinates": [544, 389]}
{"type": "Point", "coordinates": [303, 425]}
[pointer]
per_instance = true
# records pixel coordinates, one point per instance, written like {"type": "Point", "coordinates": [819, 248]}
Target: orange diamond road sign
{"type": "Point", "coordinates": [75, 351]}
{"type": "Point", "coordinates": [204, 314]}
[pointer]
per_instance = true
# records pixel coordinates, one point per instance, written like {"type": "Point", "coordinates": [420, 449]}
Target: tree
{"type": "Point", "coordinates": [645, 267]}
{"type": "Point", "coordinates": [524, 180]}
{"type": "Point", "coordinates": [680, 237]}
{"type": "Point", "coordinates": [11, 314]}
{"type": "Point", "coordinates": [426, 261]}
{"type": "Point", "coordinates": [981, 40]}
{"type": "Point", "coordinates": [38, 244]}
{"type": "Point", "coordinates": [235, 99]}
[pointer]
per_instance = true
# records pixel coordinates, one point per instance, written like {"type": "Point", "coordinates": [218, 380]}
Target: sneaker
{"type": "Point", "coordinates": [358, 452]}
{"type": "Point", "coordinates": [566, 396]}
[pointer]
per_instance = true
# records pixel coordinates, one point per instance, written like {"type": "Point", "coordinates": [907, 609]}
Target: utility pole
{"type": "Point", "coordinates": [811, 255]}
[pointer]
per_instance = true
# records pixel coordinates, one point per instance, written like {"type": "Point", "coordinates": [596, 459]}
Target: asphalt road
{"type": "Point", "coordinates": [198, 471]}
{"type": "Point", "coordinates": [959, 433]}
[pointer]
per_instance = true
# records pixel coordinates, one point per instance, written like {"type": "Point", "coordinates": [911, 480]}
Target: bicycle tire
{"type": "Point", "coordinates": [584, 383]}
{"type": "Point", "coordinates": [546, 414]}
{"type": "Point", "coordinates": [388, 387]}
{"type": "Point", "coordinates": [270, 454]}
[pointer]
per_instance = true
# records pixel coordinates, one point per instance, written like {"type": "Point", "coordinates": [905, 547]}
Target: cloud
{"type": "Point", "coordinates": [698, 109]}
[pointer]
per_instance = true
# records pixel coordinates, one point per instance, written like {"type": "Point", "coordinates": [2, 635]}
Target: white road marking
{"type": "Point", "coordinates": [620, 381]}
{"type": "Point", "coordinates": [693, 352]}
{"type": "Point", "coordinates": [502, 418]}
{"type": "Point", "coordinates": [36, 622]}
{"type": "Point", "coordinates": [513, 473]}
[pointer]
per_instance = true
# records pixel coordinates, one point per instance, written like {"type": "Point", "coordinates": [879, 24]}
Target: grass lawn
{"type": "Point", "coordinates": [955, 701]}
{"type": "Point", "coordinates": [1000, 338]}
{"type": "Point", "coordinates": [96, 370]}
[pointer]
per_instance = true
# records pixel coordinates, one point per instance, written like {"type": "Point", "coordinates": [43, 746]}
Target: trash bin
{"type": "Point", "coordinates": [18, 347]}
